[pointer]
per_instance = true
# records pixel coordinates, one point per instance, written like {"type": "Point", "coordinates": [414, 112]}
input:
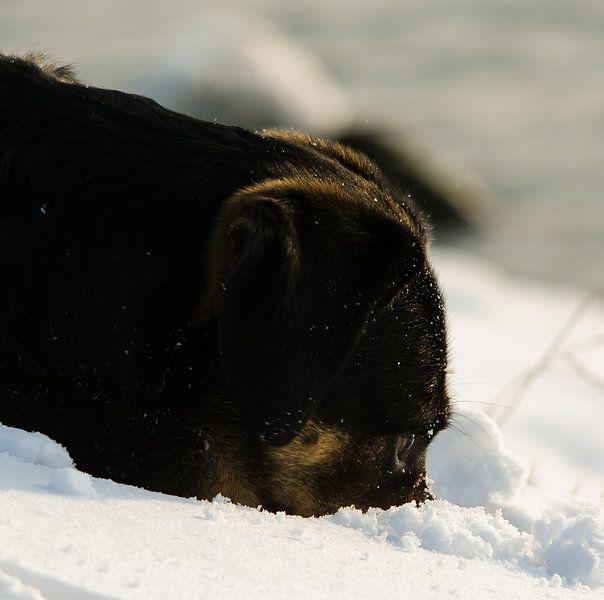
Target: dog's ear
{"type": "Point", "coordinates": [299, 279]}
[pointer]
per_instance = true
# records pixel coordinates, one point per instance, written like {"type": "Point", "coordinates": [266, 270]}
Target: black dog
{"type": "Point", "coordinates": [199, 309]}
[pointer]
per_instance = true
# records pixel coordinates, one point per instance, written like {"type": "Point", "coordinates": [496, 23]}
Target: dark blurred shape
{"type": "Point", "coordinates": [448, 208]}
{"type": "Point", "coordinates": [240, 70]}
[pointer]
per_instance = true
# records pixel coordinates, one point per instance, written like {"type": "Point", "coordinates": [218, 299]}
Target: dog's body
{"type": "Point", "coordinates": [199, 309]}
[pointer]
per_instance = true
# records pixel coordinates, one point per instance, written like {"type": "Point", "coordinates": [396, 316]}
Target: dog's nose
{"type": "Point", "coordinates": [402, 448]}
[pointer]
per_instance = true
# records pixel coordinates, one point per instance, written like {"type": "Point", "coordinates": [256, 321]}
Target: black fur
{"type": "Point", "coordinates": [166, 281]}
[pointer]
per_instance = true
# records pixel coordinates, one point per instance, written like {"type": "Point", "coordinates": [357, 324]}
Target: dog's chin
{"type": "Point", "coordinates": [384, 496]}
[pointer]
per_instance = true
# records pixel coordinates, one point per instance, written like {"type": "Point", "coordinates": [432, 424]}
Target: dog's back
{"type": "Point", "coordinates": [103, 196]}
{"type": "Point", "coordinates": [107, 201]}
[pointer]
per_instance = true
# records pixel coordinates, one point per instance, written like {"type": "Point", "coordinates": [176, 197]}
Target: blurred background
{"type": "Point", "coordinates": [501, 103]}
{"type": "Point", "coordinates": [490, 114]}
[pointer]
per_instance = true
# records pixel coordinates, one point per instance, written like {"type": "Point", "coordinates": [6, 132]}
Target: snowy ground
{"type": "Point", "coordinates": [520, 513]}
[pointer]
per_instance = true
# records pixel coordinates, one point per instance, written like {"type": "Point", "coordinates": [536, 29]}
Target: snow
{"type": "Point", "coordinates": [519, 512]}
{"type": "Point", "coordinates": [471, 466]}
{"type": "Point", "coordinates": [34, 448]}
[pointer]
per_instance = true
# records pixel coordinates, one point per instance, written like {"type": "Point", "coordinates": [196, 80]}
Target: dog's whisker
{"type": "Point", "coordinates": [475, 423]}
{"type": "Point", "coordinates": [492, 404]}
{"type": "Point", "coordinates": [471, 419]}
{"type": "Point", "coordinates": [483, 383]}
{"type": "Point", "coordinates": [461, 430]}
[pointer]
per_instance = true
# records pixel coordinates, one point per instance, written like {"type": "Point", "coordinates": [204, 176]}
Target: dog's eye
{"type": "Point", "coordinates": [404, 443]}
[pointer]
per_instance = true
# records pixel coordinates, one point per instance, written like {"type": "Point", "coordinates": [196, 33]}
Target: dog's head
{"type": "Point", "coordinates": [332, 338]}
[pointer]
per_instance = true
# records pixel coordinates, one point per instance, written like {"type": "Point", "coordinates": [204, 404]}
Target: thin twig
{"type": "Point", "coordinates": [581, 369]}
{"type": "Point", "coordinates": [528, 378]}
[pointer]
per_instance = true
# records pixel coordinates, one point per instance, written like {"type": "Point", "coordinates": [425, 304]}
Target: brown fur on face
{"type": "Point", "coordinates": [297, 468]}
{"type": "Point", "coordinates": [323, 468]}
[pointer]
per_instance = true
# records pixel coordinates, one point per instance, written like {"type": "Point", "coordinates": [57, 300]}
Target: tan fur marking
{"type": "Point", "coordinates": [352, 159]}
{"type": "Point", "coordinates": [300, 453]}
{"type": "Point", "coordinates": [227, 474]}
{"type": "Point", "coordinates": [296, 465]}
{"type": "Point", "coordinates": [229, 482]}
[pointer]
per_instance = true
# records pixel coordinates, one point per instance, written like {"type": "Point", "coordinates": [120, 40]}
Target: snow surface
{"type": "Point", "coordinates": [506, 524]}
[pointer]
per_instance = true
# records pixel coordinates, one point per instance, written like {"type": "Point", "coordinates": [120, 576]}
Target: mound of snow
{"type": "Point", "coordinates": [469, 464]}
{"type": "Point", "coordinates": [569, 546]}
{"type": "Point", "coordinates": [33, 448]}
{"type": "Point", "coordinates": [12, 588]}
{"type": "Point", "coordinates": [50, 461]}
{"type": "Point", "coordinates": [442, 527]}
{"type": "Point", "coordinates": [572, 543]}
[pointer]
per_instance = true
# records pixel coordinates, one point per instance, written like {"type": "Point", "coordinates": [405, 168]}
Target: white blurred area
{"type": "Point", "coordinates": [508, 90]}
